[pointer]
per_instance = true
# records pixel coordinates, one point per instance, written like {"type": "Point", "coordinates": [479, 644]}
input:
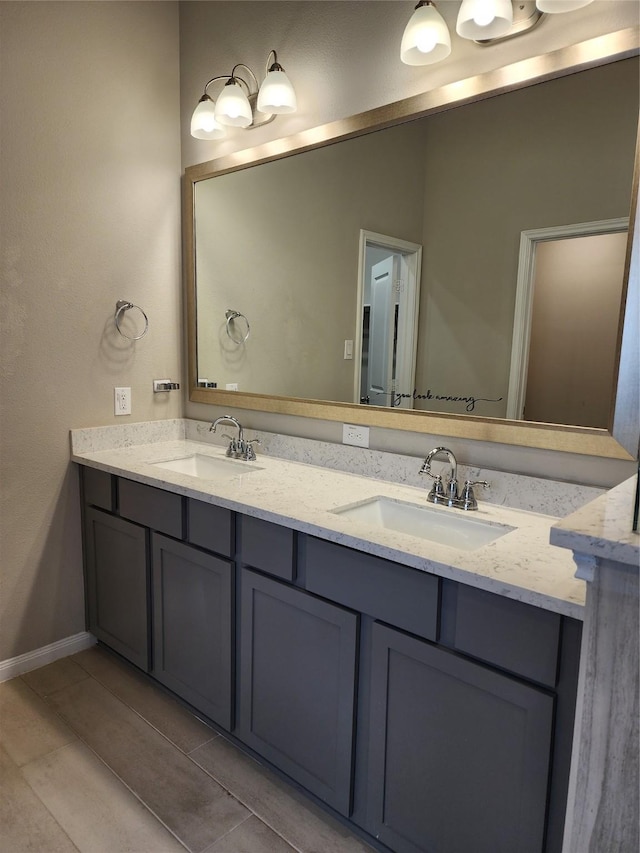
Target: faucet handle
{"type": "Point", "coordinates": [467, 499]}
{"type": "Point", "coordinates": [249, 453]}
{"type": "Point", "coordinates": [232, 449]}
{"type": "Point", "coordinates": [437, 494]}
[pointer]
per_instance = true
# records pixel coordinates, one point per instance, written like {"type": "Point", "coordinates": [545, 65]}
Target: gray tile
{"type": "Point", "coordinates": [287, 812]}
{"type": "Point", "coordinates": [26, 825]}
{"type": "Point", "coordinates": [164, 713]}
{"type": "Point", "coordinates": [61, 673]}
{"type": "Point", "coordinates": [252, 836]}
{"type": "Point", "coordinates": [95, 809]}
{"type": "Point", "coordinates": [28, 727]}
{"type": "Point", "coordinates": [196, 809]}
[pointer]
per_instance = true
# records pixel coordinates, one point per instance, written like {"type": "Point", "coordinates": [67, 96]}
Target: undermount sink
{"type": "Point", "coordinates": [208, 467]}
{"type": "Point", "coordinates": [447, 527]}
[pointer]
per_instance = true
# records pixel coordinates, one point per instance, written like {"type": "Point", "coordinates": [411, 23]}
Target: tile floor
{"type": "Point", "coordinates": [94, 758]}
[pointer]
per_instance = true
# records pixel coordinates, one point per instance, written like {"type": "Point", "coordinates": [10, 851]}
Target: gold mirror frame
{"type": "Point", "coordinates": [620, 441]}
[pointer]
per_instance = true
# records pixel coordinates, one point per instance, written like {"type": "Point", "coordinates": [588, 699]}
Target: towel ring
{"type": "Point", "coordinates": [232, 315]}
{"type": "Point", "coordinates": [121, 306]}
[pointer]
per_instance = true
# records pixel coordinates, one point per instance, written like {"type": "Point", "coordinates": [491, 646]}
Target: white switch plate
{"type": "Point", "coordinates": [122, 401]}
{"type": "Point", "coordinates": [348, 350]}
{"type": "Point", "coordinates": [355, 435]}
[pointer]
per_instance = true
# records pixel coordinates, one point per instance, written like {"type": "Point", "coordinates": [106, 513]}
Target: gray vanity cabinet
{"type": "Point", "coordinates": [117, 584]}
{"type": "Point", "coordinates": [459, 754]}
{"type": "Point", "coordinates": [192, 625]}
{"type": "Point", "coordinates": [435, 716]}
{"type": "Point", "coordinates": [297, 685]}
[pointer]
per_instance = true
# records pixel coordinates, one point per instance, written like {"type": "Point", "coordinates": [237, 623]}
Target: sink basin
{"type": "Point", "coordinates": [208, 467]}
{"type": "Point", "coordinates": [451, 527]}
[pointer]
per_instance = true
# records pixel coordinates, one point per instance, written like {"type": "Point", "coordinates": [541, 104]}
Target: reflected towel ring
{"type": "Point", "coordinates": [121, 306]}
{"type": "Point", "coordinates": [232, 315]}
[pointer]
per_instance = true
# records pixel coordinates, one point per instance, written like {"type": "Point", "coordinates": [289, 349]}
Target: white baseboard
{"type": "Point", "coordinates": [47, 654]}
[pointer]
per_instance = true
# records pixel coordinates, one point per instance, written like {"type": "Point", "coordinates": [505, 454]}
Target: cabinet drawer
{"type": "Point", "coordinates": [97, 488]}
{"type": "Point", "coordinates": [405, 597]}
{"type": "Point", "coordinates": [266, 546]}
{"type": "Point", "coordinates": [210, 527]}
{"type": "Point", "coordinates": [151, 507]}
{"type": "Point", "coordinates": [514, 636]}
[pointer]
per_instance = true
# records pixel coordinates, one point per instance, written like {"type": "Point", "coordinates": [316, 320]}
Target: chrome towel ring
{"type": "Point", "coordinates": [123, 305]}
{"type": "Point", "coordinates": [232, 316]}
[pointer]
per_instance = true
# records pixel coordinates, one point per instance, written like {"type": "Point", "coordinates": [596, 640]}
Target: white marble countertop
{"type": "Point", "coordinates": [602, 528]}
{"type": "Point", "coordinates": [521, 564]}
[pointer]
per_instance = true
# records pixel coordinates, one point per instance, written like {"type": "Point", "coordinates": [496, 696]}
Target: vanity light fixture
{"type": "Point", "coordinates": [244, 102]}
{"type": "Point", "coordinates": [484, 19]}
{"type": "Point", "coordinates": [553, 6]}
{"type": "Point", "coordinates": [426, 37]}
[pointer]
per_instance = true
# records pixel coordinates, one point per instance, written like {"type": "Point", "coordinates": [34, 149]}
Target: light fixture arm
{"type": "Point", "coordinates": [274, 66]}
{"type": "Point", "coordinates": [239, 79]}
{"type": "Point", "coordinates": [213, 80]}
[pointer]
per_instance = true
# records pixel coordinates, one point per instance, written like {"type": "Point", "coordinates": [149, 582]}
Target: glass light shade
{"type": "Point", "coordinates": [203, 121]}
{"type": "Point", "coordinates": [484, 19]}
{"type": "Point", "coordinates": [561, 5]}
{"type": "Point", "coordinates": [276, 94]}
{"type": "Point", "coordinates": [426, 37]}
{"type": "Point", "coordinates": [232, 106]}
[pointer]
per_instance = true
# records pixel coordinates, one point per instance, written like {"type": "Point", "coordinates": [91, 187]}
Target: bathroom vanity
{"type": "Point", "coordinates": [425, 695]}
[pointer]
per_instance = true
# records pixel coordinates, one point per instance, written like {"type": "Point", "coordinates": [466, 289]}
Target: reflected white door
{"type": "Point", "coordinates": [382, 333]}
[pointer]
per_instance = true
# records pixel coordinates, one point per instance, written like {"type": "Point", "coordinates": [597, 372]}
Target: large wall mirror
{"type": "Point", "coordinates": [390, 269]}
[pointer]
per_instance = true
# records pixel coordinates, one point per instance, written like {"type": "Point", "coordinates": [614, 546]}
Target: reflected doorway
{"type": "Point", "coordinates": [567, 324]}
{"type": "Point", "coordinates": [386, 336]}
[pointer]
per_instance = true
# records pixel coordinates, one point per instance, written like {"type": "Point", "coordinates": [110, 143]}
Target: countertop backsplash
{"type": "Point", "coordinates": [533, 494]}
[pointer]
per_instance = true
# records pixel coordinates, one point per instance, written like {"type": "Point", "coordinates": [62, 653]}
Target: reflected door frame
{"type": "Point", "coordinates": [410, 270]}
{"type": "Point", "coordinates": [524, 298]}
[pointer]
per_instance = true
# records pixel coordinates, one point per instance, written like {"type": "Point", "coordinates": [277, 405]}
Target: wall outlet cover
{"type": "Point", "coordinates": [356, 435]}
{"type": "Point", "coordinates": [122, 401]}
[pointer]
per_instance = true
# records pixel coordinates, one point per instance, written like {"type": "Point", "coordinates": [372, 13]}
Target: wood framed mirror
{"type": "Point", "coordinates": [617, 439]}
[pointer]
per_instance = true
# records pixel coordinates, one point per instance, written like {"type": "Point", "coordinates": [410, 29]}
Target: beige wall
{"type": "Point", "coordinates": [343, 55]}
{"type": "Point", "coordinates": [90, 162]}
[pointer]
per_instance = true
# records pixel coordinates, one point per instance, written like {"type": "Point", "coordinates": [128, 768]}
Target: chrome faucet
{"type": "Point", "coordinates": [442, 493]}
{"type": "Point", "coordinates": [238, 447]}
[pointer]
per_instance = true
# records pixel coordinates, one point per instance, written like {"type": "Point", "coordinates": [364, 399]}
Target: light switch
{"type": "Point", "coordinates": [348, 349]}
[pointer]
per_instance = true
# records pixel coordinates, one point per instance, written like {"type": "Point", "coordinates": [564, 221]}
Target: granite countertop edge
{"type": "Point", "coordinates": [522, 565]}
{"type": "Point", "coordinates": [603, 527]}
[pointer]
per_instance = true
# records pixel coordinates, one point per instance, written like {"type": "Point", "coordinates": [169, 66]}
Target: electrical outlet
{"type": "Point", "coordinates": [231, 386]}
{"type": "Point", "coordinates": [122, 401]}
{"type": "Point", "coordinates": [355, 435]}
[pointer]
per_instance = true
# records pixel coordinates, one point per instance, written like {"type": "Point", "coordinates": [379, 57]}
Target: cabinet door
{"type": "Point", "coordinates": [192, 626]}
{"type": "Point", "coordinates": [298, 659]}
{"type": "Point", "coordinates": [459, 755]}
{"type": "Point", "coordinates": [117, 584]}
